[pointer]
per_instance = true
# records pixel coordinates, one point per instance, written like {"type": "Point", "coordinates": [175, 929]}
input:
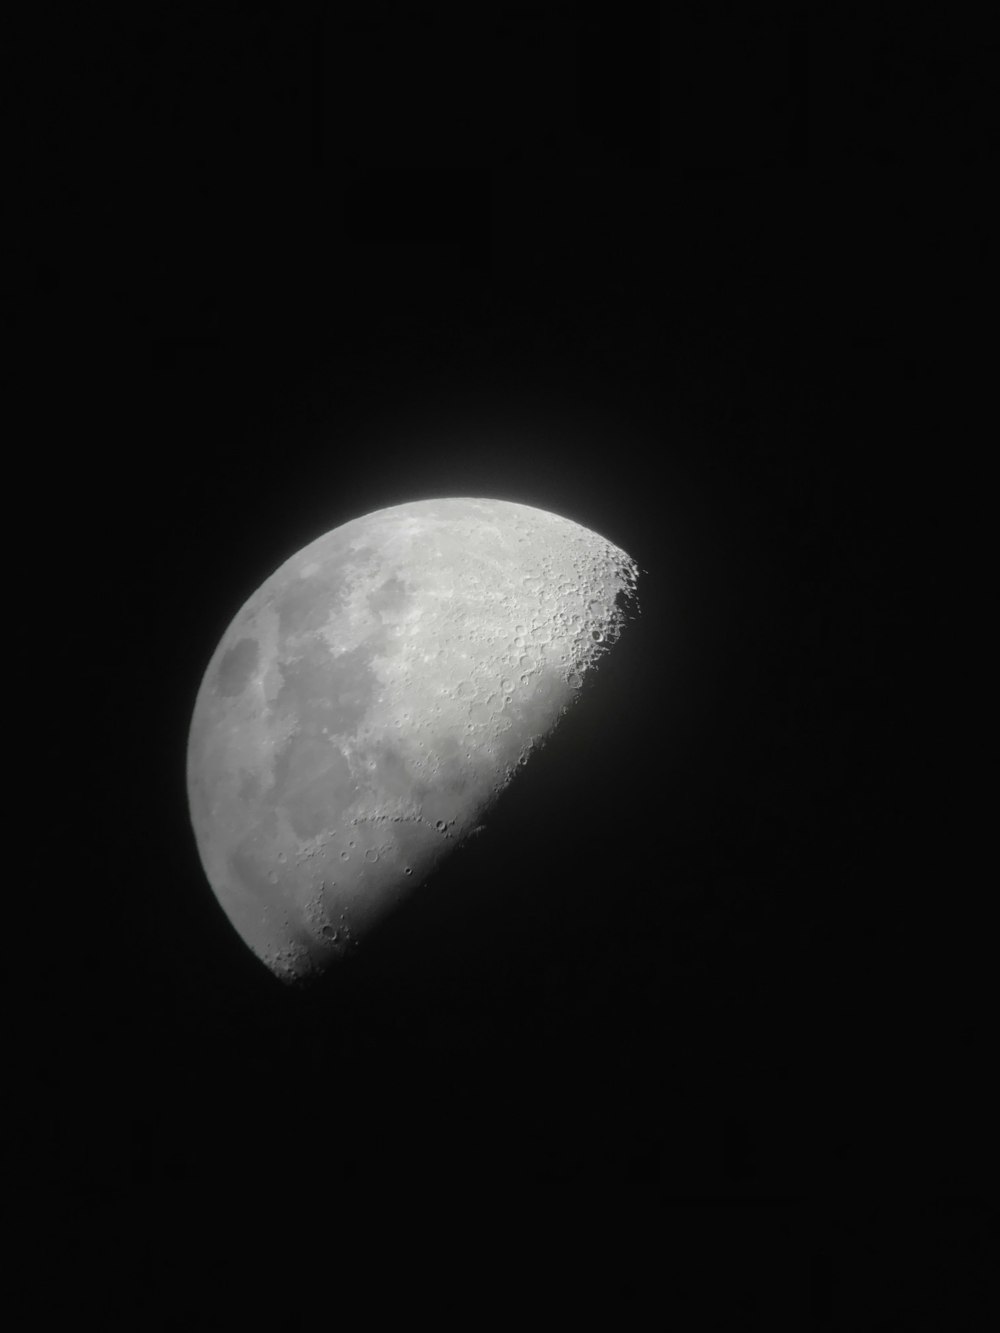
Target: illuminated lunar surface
{"type": "Point", "coordinates": [371, 700]}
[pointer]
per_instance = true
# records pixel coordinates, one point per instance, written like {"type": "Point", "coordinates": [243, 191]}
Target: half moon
{"type": "Point", "coordinates": [371, 700]}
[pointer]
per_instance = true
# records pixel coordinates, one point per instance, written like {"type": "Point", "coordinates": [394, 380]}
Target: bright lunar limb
{"type": "Point", "coordinates": [369, 702]}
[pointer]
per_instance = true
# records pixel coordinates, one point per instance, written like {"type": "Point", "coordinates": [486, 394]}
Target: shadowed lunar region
{"type": "Point", "coordinates": [371, 700]}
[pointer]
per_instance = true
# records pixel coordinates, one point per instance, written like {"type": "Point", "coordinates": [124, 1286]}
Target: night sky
{"type": "Point", "coordinates": [685, 287]}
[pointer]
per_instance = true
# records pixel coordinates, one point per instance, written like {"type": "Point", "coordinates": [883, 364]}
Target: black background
{"type": "Point", "coordinates": [694, 287]}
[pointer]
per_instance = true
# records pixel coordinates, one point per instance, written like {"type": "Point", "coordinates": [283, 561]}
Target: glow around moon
{"type": "Point", "coordinates": [371, 700]}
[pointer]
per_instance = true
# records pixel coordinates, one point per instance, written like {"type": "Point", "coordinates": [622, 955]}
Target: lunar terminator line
{"type": "Point", "coordinates": [372, 698]}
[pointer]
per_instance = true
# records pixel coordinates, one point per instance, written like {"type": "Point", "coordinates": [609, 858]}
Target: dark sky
{"type": "Point", "coordinates": [685, 285]}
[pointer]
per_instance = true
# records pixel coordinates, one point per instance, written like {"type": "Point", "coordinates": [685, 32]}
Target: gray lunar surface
{"type": "Point", "coordinates": [370, 701]}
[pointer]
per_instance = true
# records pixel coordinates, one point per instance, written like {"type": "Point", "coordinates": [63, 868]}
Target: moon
{"type": "Point", "coordinates": [370, 701]}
